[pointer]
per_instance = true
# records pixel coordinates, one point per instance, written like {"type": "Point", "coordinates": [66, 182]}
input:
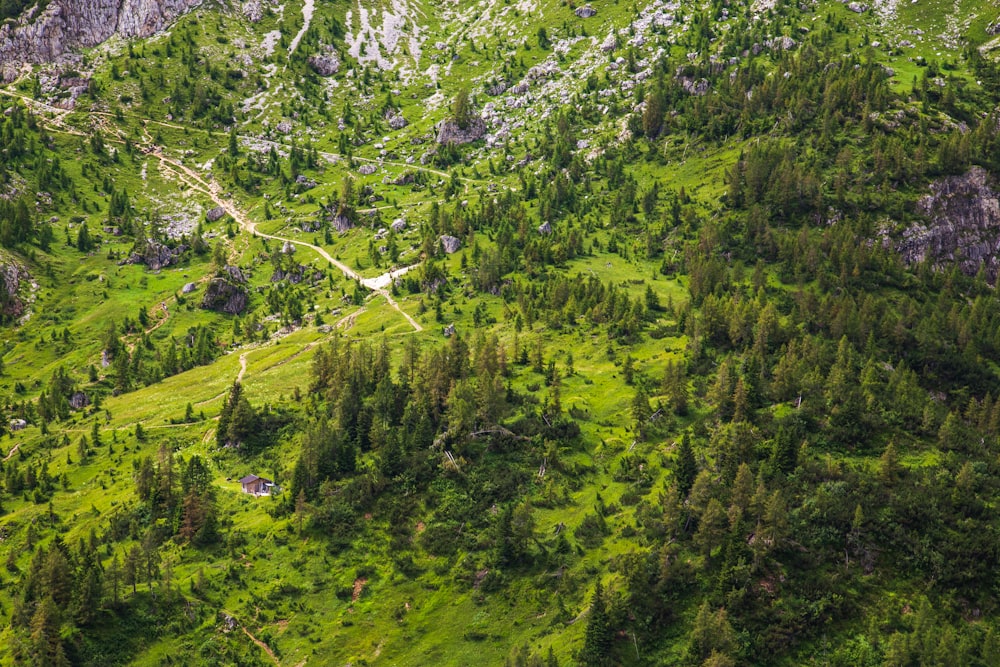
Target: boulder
{"type": "Point", "coordinates": [215, 214]}
{"type": "Point", "coordinates": [449, 131]}
{"type": "Point", "coordinates": [545, 228]}
{"type": "Point", "coordinates": [155, 255]}
{"type": "Point", "coordinates": [79, 400]}
{"type": "Point", "coordinates": [326, 63]}
{"type": "Point", "coordinates": [398, 225]}
{"type": "Point", "coordinates": [188, 288]}
{"type": "Point", "coordinates": [497, 88]}
{"type": "Point", "coordinates": [585, 12]}
{"type": "Point", "coordinates": [293, 275]}
{"type": "Point", "coordinates": [18, 424]}
{"type": "Point", "coordinates": [305, 181]}
{"type": "Point", "coordinates": [223, 296]}
{"type": "Point", "coordinates": [450, 244]}
{"type": "Point", "coordinates": [395, 119]}
{"type": "Point", "coordinates": [782, 43]}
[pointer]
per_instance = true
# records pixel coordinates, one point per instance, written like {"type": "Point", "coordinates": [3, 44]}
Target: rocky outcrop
{"type": "Point", "coordinates": [11, 305]}
{"type": "Point", "coordinates": [962, 225]}
{"type": "Point", "coordinates": [67, 25]}
{"type": "Point", "coordinates": [449, 132]}
{"type": "Point", "coordinates": [79, 400]}
{"type": "Point", "coordinates": [585, 12]}
{"type": "Point", "coordinates": [326, 63]}
{"type": "Point", "coordinates": [341, 222]}
{"type": "Point", "coordinates": [295, 274]}
{"type": "Point", "coordinates": [225, 296]}
{"type": "Point", "coordinates": [235, 274]}
{"type": "Point", "coordinates": [253, 10]}
{"type": "Point", "coordinates": [155, 255]}
{"type": "Point", "coordinates": [395, 119]}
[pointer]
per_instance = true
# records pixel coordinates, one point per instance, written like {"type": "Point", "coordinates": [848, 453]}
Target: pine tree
{"type": "Point", "coordinates": [686, 469]}
{"type": "Point", "coordinates": [46, 643]}
{"type": "Point", "coordinates": [597, 637]}
{"type": "Point", "coordinates": [84, 243]}
{"type": "Point", "coordinates": [225, 416]}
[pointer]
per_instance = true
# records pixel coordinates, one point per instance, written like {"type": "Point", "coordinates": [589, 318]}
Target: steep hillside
{"type": "Point", "coordinates": [608, 333]}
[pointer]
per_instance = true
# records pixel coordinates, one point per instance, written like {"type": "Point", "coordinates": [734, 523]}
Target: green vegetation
{"type": "Point", "coordinates": [657, 376]}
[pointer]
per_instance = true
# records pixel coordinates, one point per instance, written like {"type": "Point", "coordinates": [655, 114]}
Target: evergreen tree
{"type": "Point", "coordinates": [597, 637]}
{"type": "Point", "coordinates": [687, 469]}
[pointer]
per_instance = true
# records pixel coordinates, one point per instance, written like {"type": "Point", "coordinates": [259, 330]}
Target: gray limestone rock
{"type": "Point", "coordinates": [79, 401]}
{"type": "Point", "coordinates": [326, 63]}
{"type": "Point", "coordinates": [235, 274]}
{"type": "Point", "coordinates": [66, 26]}
{"type": "Point", "coordinates": [449, 131]}
{"type": "Point", "coordinates": [962, 225]}
{"type": "Point", "coordinates": [450, 244]}
{"type": "Point", "coordinates": [224, 296]}
{"type": "Point", "coordinates": [155, 255]}
{"type": "Point", "coordinates": [253, 11]}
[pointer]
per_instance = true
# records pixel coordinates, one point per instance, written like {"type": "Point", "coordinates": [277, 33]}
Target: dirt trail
{"type": "Point", "coordinates": [263, 646]}
{"type": "Point", "coordinates": [13, 450]}
{"type": "Point", "coordinates": [212, 190]}
{"type": "Point", "coordinates": [243, 367]}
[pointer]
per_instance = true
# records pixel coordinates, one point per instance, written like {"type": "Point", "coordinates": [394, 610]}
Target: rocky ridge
{"type": "Point", "coordinates": [68, 25]}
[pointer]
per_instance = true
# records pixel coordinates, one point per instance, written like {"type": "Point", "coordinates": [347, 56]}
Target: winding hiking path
{"type": "Point", "coordinates": [243, 367]}
{"type": "Point", "coordinates": [262, 645]}
{"type": "Point", "coordinates": [212, 190]}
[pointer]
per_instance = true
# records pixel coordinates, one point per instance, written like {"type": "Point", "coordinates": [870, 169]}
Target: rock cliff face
{"type": "Point", "coordinates": [67, 25]}
{"type": "Point", "coordinates": [11, 305]}
{"type": "Point", "coordinates": [963, 225]}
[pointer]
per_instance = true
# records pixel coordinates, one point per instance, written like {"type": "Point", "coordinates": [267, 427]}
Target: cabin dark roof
{"type": "Point", "coordinates": [249, 478]}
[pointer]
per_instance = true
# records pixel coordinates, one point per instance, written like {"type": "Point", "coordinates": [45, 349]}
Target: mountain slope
{"type": "Point", "coordinates": [656, 335]}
